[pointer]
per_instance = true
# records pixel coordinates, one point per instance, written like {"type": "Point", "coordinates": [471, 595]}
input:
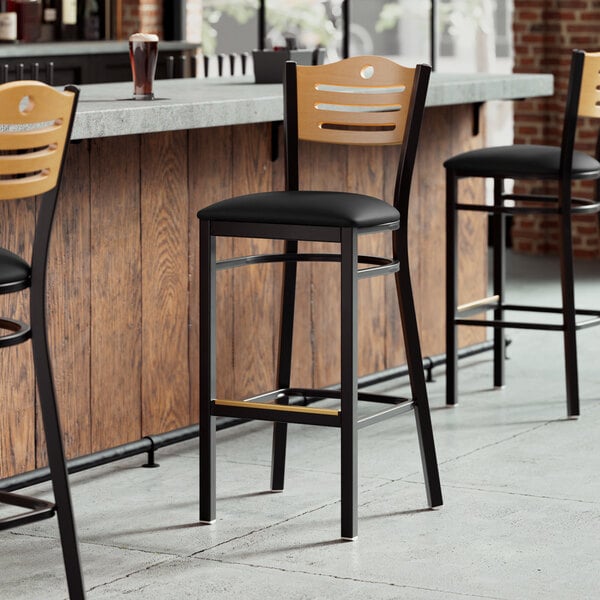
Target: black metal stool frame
{"type": "Point", "coordinates": [35, 279]}
{"type": "Point", "coordinates": [565, 206]}
{"type": "Point", "coordinates": [281, 412]}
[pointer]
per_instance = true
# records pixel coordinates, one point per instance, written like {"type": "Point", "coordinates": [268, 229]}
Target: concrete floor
{"type": "Point", "coordinates": [521, 518]}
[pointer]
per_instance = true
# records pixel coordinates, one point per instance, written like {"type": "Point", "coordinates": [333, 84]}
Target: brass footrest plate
{"type": "Point", "coordinates": [283, 413]}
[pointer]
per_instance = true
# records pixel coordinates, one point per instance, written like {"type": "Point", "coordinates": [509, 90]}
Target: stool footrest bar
{"type": "Point", "coordinates": [19, 332]}
{"type": "Point", "coordinates": [466, 310]}
{"type": "Point", "coordinates": [37, 510]}
{"type": "Point", "coordinates": [382, 265]}
{"type": "Point", "coordinates": [489, 303]}
{"type": "Point", "coordinates": [508, 324]}
{"type": "Point", "coordinates": [315, 394]}
{"type": "Point", "coordinates": [366, 397]}
{"type": "Point", "coordinates": [384, 414]}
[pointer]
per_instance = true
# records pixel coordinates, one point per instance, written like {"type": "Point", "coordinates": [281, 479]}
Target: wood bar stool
{"type": "Point", "coordinates": [36, 122]}
{"type": "Point", "coordinates": [366, 101]}
{"type": "Point", "coordinates": [560, 165]}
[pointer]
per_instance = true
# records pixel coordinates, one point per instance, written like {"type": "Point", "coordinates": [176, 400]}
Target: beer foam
{"type": "Point", "coordinates": [143, 37]}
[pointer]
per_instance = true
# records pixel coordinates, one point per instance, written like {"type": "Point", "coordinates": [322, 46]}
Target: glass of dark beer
{"type": "Point", "coordinates": [143, 53]}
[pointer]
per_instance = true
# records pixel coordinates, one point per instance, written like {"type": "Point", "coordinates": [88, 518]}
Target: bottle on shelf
{"type": "Point", "coordinates": [8, 23]}
{"type": "Point", "coordinates": [29, 19]}
{"type": "Point", "coordinates": [49, 28]}
{"type": "Point", "coordinates": [91, 20]}
{"type": "Point", "coordinates": [67, 15]}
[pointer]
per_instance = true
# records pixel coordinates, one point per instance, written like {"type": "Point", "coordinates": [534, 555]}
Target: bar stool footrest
{"type": "Point", "coordinates": [467, 310]}
{"type": "Point", "coordinates": [19, 332]}
{"type": "Point", "coordinates": [267, 407]}
{"type": "Point", "coordinates": [336, 394]}
{"type": "Point", "coordinates": [38, 510]}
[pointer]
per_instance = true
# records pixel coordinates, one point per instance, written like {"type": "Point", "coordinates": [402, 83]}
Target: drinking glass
{"type": "Point", "coordinates": [143, 54]}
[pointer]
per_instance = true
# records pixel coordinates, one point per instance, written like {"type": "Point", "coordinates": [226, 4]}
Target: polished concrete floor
{"type": "Point", "coordinates": [521, 485]}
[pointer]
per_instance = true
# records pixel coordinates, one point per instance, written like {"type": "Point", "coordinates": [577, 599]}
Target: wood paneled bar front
{"type": "Point", "coordinates": [123, 276]}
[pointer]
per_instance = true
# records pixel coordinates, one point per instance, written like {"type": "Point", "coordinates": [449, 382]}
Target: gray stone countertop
{"type": "Point", "coordinates": [44, 49]}
{"type": "Point", "coordinates": [107, 109]}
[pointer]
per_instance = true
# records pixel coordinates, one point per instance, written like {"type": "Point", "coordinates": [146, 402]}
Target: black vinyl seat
{"type": "Point", "coordinates": [347, 112]}
{"type": "Point", "coordinates": [559, 165]}
{"type": "Point", "coordinates": [524, 161]}
{"type": "Point", "coordinates": [320, 209]}
{"type": "Point", "coordinates": [36, 122]}
{"type": "Point", "coordinates": [15, 273]}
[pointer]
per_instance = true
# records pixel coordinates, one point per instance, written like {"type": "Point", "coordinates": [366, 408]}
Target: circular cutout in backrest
{"type": "Point", "coordinates": [26, 105]}
{"type": "Point", "coordinates": [367, 71]}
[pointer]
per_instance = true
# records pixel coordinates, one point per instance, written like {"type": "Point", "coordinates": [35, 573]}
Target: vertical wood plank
{"type": "Point", "coordinates": [164, 222]}
{"type": "Point", "coordinates": [472, 226]}
{"type": "Point", "coordinates": [17, 422]}
{"type": "Point", "coordinates": [256, 289]}
{"type": "Point", "coordinates": [446, 131]}
{"type": "Point", "coordinates": [17, 394]}
{"type": "Point", "coordinates": [365, 177]}
{"type": "Point", "coordinates": [324, 167]}
{"type": "Point", "coordinates": [207, 185]}
{"type": "Point", "coordinates": [116, 291]}
{"type": "Point", "coordinates": [427, 226]}
{"type": "Point", "coordinates": [69, 304]}
{"type": "Point", "coordinates": [395, 353]}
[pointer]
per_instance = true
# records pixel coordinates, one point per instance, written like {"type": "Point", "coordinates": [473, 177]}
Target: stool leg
{"type": "Point", "coordinates": [54, 444]}
{"type": "Point", "coordinates": [284, 366]}
{"type": "Point", "coordinates": [499, 276]}
{"type": "Point", "coordinates": [568, 302]}
{"type": "Point", "coordinates": [207, 374]}
{"type": "Point", "coordinates": [349, 383]}
{"type": "Point", "coordinates": [451, 289]}
{"type": "Point", "coordinates": [414, 361]}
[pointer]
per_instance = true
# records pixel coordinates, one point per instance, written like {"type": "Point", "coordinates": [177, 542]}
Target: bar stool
{"type": "Point", "coordinates": [561, 165]}
{"type": "Point", "coordinates": [36, 127]}
{"type": "Point", "coordinates": [362, 100]}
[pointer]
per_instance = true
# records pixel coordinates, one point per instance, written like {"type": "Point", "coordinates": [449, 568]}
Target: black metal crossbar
{"type": "Point", "coordinates": [492, 303]}
{"type": "Point", "coordinates": [37, 510]}
{"type": "Point", "coordinates": [382, 265]}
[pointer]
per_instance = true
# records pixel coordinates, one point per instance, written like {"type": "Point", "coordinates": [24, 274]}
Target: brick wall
{"type": "Point", "coordinates": [142, 15]}
{"type": "Point", "coordinates": [545, 32]}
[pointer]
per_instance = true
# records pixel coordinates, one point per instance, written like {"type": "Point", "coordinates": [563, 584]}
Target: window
{"type": "Point", "coordinates": [471, 35]}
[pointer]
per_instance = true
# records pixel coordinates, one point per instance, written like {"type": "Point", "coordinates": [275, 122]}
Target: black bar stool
{"type": "Point", "coordinates": [366, 101]}
{"type": "Point", "coordinates": [36, 127]}
{"type": "Point", "coordinates": [560, 165]}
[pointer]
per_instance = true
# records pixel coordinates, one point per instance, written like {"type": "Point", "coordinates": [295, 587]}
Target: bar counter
{"type": "Point", "coordinates": [123, 275]}
{"type": "Point", "coordinates": [107, 109]}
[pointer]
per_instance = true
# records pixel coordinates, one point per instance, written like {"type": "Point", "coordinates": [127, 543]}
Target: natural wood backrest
{"type": "Point", "coordinates": [589, 97]}
{"type": "Point", "coordinates": [34, 124]}
{"type": "Point", "coordinates": [361, 100]}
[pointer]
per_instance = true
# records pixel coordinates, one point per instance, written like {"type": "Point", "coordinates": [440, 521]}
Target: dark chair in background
{"type": "Point", "coordinates": [365, 101]}
{"type": "Point", "coordinates": [561, 165]}
{"type": "Point", "coordinates": [36, 127]}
